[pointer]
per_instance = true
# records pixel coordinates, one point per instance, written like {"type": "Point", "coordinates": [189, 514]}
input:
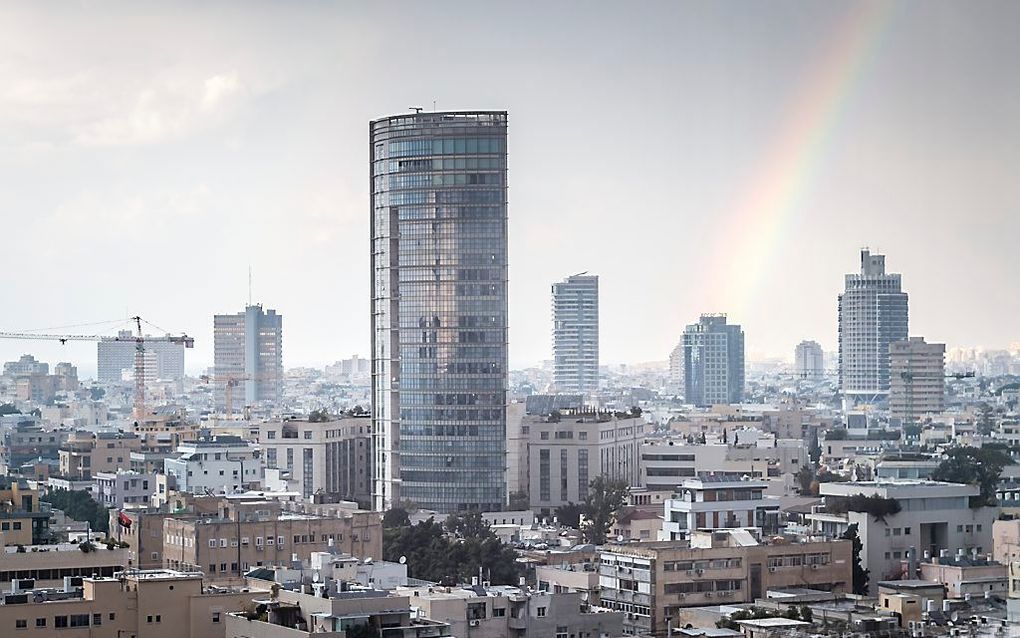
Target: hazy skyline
{"type": "Point", "coordinates": [699, 157]}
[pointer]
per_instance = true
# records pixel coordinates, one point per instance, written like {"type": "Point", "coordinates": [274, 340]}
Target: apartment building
{"type": "Point", "coordinates": [493, 611]}
{"type": "Point", "coordinates": [85, 453]}
{"type": "Point", "coordinates": [21, 520]}
{"type": "Point", "coordinates": [917, 384]}
{"type": "Point", "coordinates": [215, 465]}
{"type": "Point", "coordinates": [245, 534]}
{"type": "Point", "coordinates": [652, 582]}
{"type": "Point", "coordinates": [332, 608]}
{"type": "Point", "coordinates": [248, 354]}
{"type": "Point", "coordinates": [716, 501]}
{"type": "Point", "coordinates": [136, 604]}
{"type": "Point", "coordinates": [933, 516]}
{"type": "Point", "coordinates": [120, 488]}
{"type": "Point", "coordinates": [329, 458]}
{"type": "Point", "coordinates": [49, 565]}
{"type": "Point", "coordinates": [566, 452]}
{"type": "Point", "coordinates": [666, 464]}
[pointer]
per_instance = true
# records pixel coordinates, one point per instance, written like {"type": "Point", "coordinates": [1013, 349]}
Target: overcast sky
{"type": "Point", "coordinates": [151, 152]}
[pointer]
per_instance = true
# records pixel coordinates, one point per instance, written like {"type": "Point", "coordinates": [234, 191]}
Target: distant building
{"type": "Point", "coordinates": [718, 501]}
{"type": "Point", "coordinates": [808, 361]}
{"type": "Point", "coordinates": [676, 368]}
{"type": "Point", "coordinates": [27, 365]}
{"type": "Point", "coordinates": [328, 457]}
{"type": "Point", "coordinates": [713, 361]}
{"type": "Point", "coordinates": [120, 488]}
{"type": "Point", "coordinates": [575, 307]}
{"type": "Point", "coordinates": [872, 315]}
{"type": "Point", "coordinates": [248, 355]}
{"type": "Point", "coordinates": [22, 521]}
{"type": "Point", "coordinates": [917, 384]}
{"type": "Point", "coordinates": [85, 453]}
{"type": "Point", "coordinates": [164, 360]}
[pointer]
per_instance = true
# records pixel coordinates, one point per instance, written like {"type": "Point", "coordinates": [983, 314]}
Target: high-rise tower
{"type": "Point", "coordinates": [808, 361]}
{"type": "Point", "coordinates": [872, 315]}
{"type": "Point", "coordinates": [713, 362]}
{"type": "Point", "coordinates": [248, 356]}
{"type": "Point", "coordinates": [575, 305]}
{"type": "Point", "coordinates": [439, 309]}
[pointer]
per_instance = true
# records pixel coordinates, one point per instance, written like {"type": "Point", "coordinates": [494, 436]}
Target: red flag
{"type": "Point", "coordinates": [124, 520]}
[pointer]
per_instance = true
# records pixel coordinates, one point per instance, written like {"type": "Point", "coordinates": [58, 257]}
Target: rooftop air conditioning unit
{"type": "Point", "coordinates": [815, 566]}
{"type": "Point", "coordinates": [772, 569]}
{"type": "Point", "coordinates": [708, 594]}
{"type": "Point", "coordinates": [474, 623]}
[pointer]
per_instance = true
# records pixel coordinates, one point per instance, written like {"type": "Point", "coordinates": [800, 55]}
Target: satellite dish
{"type": "Point", "coordinates": [619, 539]}
{"type": "Point", "coordinates": [368, 561]}
{"type": "Point", "coordinates": [403, 560]}
{"type": "Point", "coordinates": [955, 616]}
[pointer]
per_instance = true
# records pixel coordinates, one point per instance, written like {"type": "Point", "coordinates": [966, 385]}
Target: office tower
{"type": "Point", "coordinates": [248, 358]}
{"type": "Point", "coordinates": [807, 360]}
{"type": "Point", "coordinates": [872, 315]}
{"type": "Point", "coordinates": [575, 306]}
{"type": "Point", "coordinates": [439, 309]}
{"type": "Point", "coordinates": [117, 354]}
{"type": "Point", "coordinates": [26, 366]}
{"type": "Point", "coordinates": [713, 362]}
{"type": "Point", "coordinates": [917, 378]}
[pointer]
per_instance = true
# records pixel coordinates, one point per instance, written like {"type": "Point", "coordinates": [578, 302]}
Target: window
{"type": "Point", "coordinates": [308, 434]}
{"type": "Point", "coordinates": [148, 619]}
{"type": "Point", "coordinates": [279, 541]}
{"type": "Point", "coordinates": [113, 616]}
{"type": "Point", "coordinates": [906, 531]}
{"type": "Point", "coordinates": [60, 621]}
{"type": "Point", "coordinates": [216, 616]}
{"type": "Point", "coordinates": [212, 542]}
{"type": "Point", "coordinates": [40, 622]}
{"type": "Point", "coordinates": [21, 623]}
{"type": "Point", "coordinates": [541, 612]}
{"type": "Point", "coordinates": [223, 567]}
{"type": "Point", "coordinates": [212, 568]}
{"type": "Point", "coordinates": [97, 619]}
{"type": "Point", "coordinates": [497, 613]}
{"type": "Point", "coordinates": [79, 620]}
{"type": "Point", "coordinates": [270, 434]}
{"type": "Point", "coordinates": [223, 542]}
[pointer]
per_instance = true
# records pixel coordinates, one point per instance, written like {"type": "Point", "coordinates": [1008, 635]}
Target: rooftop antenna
{"type": "Point", "coordinates": [416, 109]}
{"type": "Point", "coordinates": [249, 284]}
{"type": "Point", "coordinates": [433, 106]}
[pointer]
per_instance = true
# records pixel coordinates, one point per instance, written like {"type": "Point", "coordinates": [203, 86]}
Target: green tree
{"type": "Point", "coordinates": [80, 506]}
{"type": "Point", "coordinates": [860, 575]}
{"type": "Point", "coordinates": [318, 416]}
{"type": "Point", "coordinates": [434, 555]}
{"type": "Point", "coordinates": [805, 613]}
{"type": "Point", "coordinates": [468, 525]}
{"type": "Point", "coordinates": [605, 497]}
{"type": "Point", "coordinates": [979, 466]}
{"type": "Point", "coordinates": [569, 515]}
{"type": "Point", "coordinates": [8, 408]}
{"type": "Point", "coordinates": [986, 419]}
{"type": "Point", "coordinates": [396, 517]}
{"type": "Point", "coordinates": [805, 477]}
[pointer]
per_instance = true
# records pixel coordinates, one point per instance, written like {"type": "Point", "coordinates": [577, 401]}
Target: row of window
{"type": "Point", "coordinates": [62, 622]}
{"type": "Point", "coordinates": [446, 146]}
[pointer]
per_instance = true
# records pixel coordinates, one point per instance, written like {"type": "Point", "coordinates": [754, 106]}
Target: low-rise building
{"type": "Point", "coordinates": [717, 501]}
{"type": "Point", "coordinates": [492, 611]}
{"type": "Point", "coordinates": [117, 489]}
{"type": "Point", "coordinates": [651, 582]}
{"type": "Point", "coordinates": [215, 465]}
{"type": "Point", "coordinates": [967, 575]}
{"type": "Point", "coordinates": [22, 521]}
{"type": "Point", "coordinates": [242, 535]}
{"type": "Point", "coordinates": [49, 565]}
{"type": "Point", "coordinates": [84, 453]}
{"type": "Point", "coordinates": [331, 608]}
{"type": "Point", "coordinates": [136, 604]}
{"type": "Point", "coordinates": [932, 516]}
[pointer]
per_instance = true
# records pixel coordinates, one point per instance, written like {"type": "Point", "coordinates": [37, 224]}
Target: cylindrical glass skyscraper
{"type": "Point", "coordinates": [439, 309]}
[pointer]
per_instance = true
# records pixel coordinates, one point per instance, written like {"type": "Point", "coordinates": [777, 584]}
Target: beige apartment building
{"type": "Point", "coordinates": [562, 454]}
{"type": "Point", "coordinates": [331, 458]}
{"type": "Point", "coordinates": [917, 384]}
{"type": "Point", "coordinates": [84, 453]}
{"type": "Point", "coordinates": [243, 535]}
{"type": "Point", "coordinates": [652, 582]}
{"type": "Point", "coordinates": [21, 521]}
{"type": "Point", "coordinates": [49, 565]}
{"type": "Point", "coordinates": [140, 604]}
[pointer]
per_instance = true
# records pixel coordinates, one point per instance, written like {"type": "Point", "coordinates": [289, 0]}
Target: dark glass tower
{"type": "Point", "coordinates": [439, 309]}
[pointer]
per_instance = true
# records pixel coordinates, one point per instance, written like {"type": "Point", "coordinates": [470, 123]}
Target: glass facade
{"type": "Point", "coordinates": [439, 309]}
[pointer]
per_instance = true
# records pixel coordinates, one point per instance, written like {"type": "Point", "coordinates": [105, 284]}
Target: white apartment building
{"type": "Point", "coordinates": [665, 465]}
{"type": "Point", "coordinates": [934, 516]}
{"type": "Point", "coordinates": [120, 488]}
{"type": "Point", "coordinates": [219, 464]}
{"type": "Point", "coordinates": [718, 501]}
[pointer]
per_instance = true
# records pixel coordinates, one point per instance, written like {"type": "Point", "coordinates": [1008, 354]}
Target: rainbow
{"type": "Point", "coordinates": [764, 212]}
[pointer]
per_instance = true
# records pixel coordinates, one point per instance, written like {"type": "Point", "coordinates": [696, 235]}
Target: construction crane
{"type": "Point", "coordinates": [138, 339]}
{"type": "Point", "coordinates": [231, 381]}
